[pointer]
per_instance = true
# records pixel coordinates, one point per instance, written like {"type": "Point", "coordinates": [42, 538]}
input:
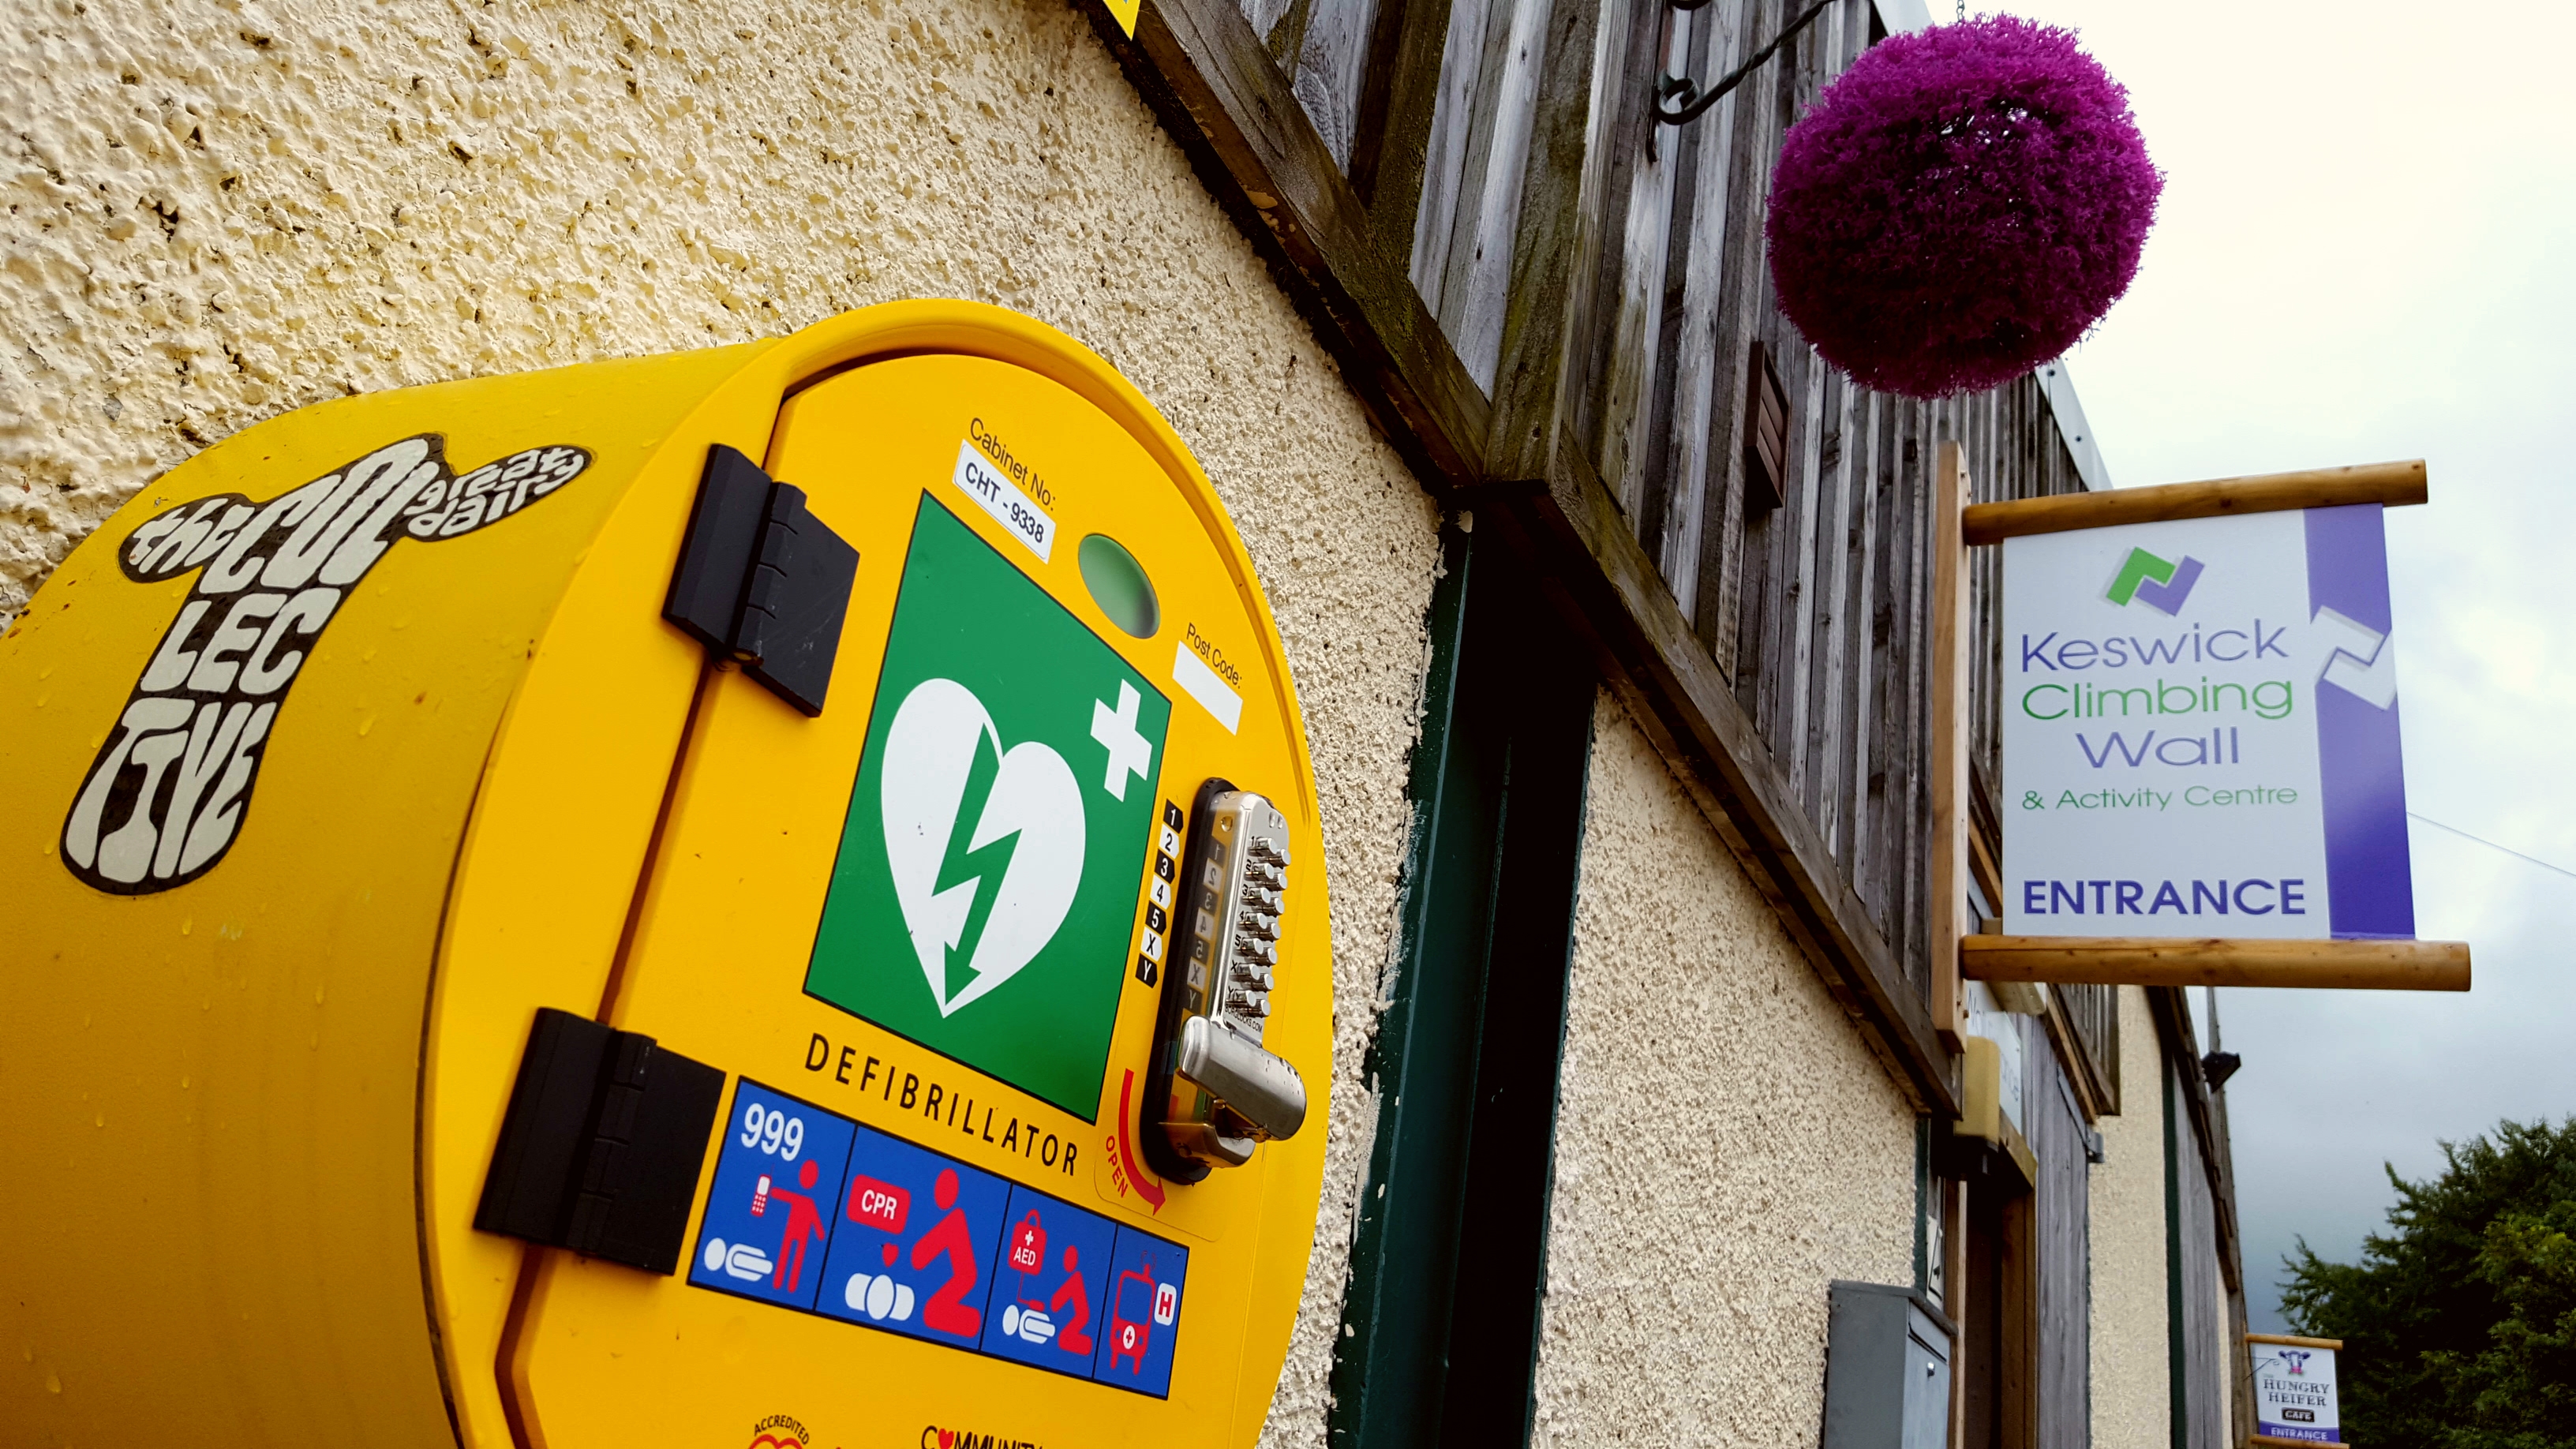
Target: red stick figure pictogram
{"type": "Point", "coordinates": [945, 1312]}
{"type": "Point", "coordinates": [1071, 1337]}
{"type": "Point", "coordinates": [804, 1224]}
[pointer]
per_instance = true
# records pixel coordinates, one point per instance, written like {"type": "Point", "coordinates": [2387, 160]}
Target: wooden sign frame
{"type": "Point", "coordinates": [2371, 965]}
{"type": "Point", "coordinates": [2334, 1344]}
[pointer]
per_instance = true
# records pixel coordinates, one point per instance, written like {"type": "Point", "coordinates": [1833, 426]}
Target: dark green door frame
{"type": "Point", "coordinates": [1442, 1315]}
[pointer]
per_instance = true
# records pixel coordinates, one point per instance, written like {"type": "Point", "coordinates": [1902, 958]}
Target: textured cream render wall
{"type": "Point", "coordinates": [218, 210]}
{"type": "Point", "coordinates": [2132, 1374]}
{"type": "Point", "coordinates": [1726, 1144]}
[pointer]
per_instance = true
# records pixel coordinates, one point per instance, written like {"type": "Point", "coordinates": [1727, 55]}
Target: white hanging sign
{"type": "Point", "coordinates": [2200, 731]}
{"type": "Point", "coordinates": [2294, 1391]}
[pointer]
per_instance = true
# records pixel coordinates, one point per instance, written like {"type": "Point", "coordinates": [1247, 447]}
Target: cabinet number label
{"type": "Point", "coordinates": [996, 494]}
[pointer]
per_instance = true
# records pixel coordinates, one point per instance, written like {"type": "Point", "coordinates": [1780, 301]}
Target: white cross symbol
{"type": "Point", "coordinates": [1130, 753]}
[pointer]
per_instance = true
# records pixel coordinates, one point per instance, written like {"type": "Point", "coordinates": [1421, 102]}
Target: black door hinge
{"type": "Point", "coordinates": [602, 1145]}
{"type": "Point", "coordinates": [762, 580]}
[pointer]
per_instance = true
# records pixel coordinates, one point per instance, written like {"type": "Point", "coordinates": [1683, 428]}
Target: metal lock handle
{"type": "Point", "coordinates": [1262, 1089]}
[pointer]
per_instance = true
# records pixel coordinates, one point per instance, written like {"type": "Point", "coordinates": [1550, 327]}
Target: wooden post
{"type": "Point", "coordinates": [1949, 843]}
{"type": "Point", "coordinates": [2189, 961]}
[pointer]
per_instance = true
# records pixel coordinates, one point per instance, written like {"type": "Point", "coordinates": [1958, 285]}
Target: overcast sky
{"type": "Point", "coordinates": [2365, 252]}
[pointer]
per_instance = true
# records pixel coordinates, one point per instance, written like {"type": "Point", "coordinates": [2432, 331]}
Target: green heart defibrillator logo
{"type": "Point", "coordinates": [985, 891]}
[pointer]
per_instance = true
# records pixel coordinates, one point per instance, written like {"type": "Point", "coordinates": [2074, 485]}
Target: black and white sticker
{"type": "Point", "coordinates": [172, 783]}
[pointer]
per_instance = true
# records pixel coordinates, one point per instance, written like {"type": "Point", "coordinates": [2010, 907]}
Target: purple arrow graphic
{"type": "Point", "coordinates": [2169, 596]}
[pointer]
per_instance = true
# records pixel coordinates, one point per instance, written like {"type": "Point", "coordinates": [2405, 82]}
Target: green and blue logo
{"type": "Point", "coordinates": [2157, 583]}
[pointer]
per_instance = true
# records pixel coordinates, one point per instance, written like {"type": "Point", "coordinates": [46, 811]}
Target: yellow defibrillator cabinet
{"type": "Point", "coordinates": [770, 896]}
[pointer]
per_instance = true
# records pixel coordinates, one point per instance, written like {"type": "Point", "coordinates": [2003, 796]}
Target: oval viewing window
{"type": "Point", "coordinates": [1119, 586]}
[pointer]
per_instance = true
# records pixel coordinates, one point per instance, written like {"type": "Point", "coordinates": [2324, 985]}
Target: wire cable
{"type": "Point", "coordinates": [2491, 845]}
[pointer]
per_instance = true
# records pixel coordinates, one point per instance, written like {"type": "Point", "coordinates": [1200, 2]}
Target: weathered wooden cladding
{"type": "Point", "coordinates": [2205, 1267]}
{"type": "Point", "coordinates": [1551, 303]}
{"type": "Point", "coordinates": [2084, 1023]}
{"type": "Point", "coordinates": [1476, 164]}
{"type": "Point", "coordinates": [1211, 78]}
{"type": "Point", "coordinates": [2063, 1373]}
{"type": "Point", "coordinates": [1815, 609]}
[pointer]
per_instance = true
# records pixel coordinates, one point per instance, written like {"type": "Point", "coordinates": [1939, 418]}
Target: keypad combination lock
{"type": "Point", "coordinates": [1217, 1093]}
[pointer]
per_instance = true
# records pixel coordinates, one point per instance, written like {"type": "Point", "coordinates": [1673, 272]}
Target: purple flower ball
{"type": "Point", "coordinates": [1959, 207]}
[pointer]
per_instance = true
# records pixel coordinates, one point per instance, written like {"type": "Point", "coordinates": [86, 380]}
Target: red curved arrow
{"type": "Point", "coordinates": [1146, 1188]}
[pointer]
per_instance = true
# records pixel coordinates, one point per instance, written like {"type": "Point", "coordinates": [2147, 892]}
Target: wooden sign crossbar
{"type": "Point", "coordinates": [2186, 961]}
{"type": "Point", "coordinates": [2372, 965]}
{"type": "Point", "coordinates": [2388, 484]}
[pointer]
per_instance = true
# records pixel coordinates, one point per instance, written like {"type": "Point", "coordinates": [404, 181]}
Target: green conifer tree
{"type": "Point", "coordinates": [2459, 1324]}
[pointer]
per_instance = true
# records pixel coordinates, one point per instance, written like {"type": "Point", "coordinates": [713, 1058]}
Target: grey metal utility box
{"type": "Point", "coordinates": [1887, 1369]}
